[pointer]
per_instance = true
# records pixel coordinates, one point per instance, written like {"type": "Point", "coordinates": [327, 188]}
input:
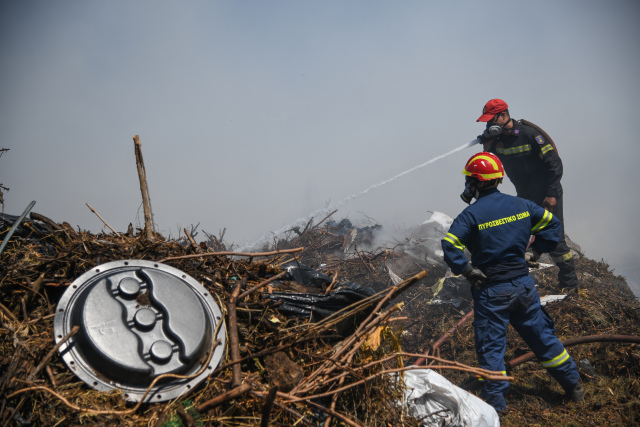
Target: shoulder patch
{"type": "Point", "coordinates": [517, 131]}
{"type": "Point", "coordinates": [540, 140]}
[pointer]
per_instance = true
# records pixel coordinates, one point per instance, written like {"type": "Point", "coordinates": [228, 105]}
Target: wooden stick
{"type": "Point", "coordinates": [52, 224]}
{"type": "Point", "coordinates": [25, 316]}
{"type": "Point", "coordinates": [354, 342]}
{"type": "Point", "coordinates": [249, 254]}
{"type": "Point", "coordinates": [359, 306]}
{"type": "Point", "coordinates": [334, 398]}
{"type": "Point", "coordinates": [187, 419]}
{"type": "Point", "coordinates": [105, 222]}
{"type": "Point", "coordinates": [233, 335]}
{"type": "Point", "coordinates": [267, 352]}
{"type": "Point", "coordinates": [325, 218]}
{"type": "Point", "coordinates": [293, 398]}
{"type": "Point", "coordinates": [48, 316]}
{"type": "Point", "coordinates": [333, 282]}
{"type": "Point", "coordinates": [286, 261]}
{"type": "Point", "coordinates": [334, 414]}
{"type": "Point", "coordinates": [480, 372]}
{"type": "Point", "coordinates": [293, 412]}
{"type": "Point", "coordinates": [268, 404]}
{"type": "Point", "coordinates": [8, 312]}
{"type": "Point", "coordinates": [234, 393]}
{"type": "Point", "coordinates": [355, 247]}
{"type": "Point", "coordinates": [321, 408]}
{"type": "Point", "coordinates": [89, 411]}
{"type": "Point", "coordinates": [52, 378]}
{"type": "Point", "coordinates": [191, 241]}
{"type": "Point", "coordinates": [442, 339]}
{"type": "Point", "coordinates": [149, 226]}
{"type": "Point", "coordinates": [53, 351]}
{"type": "Point", "coordinates": [262, 284]}
{"type": "Point", "coordinates": [40, 366]}
{"type": "Point", "coordinates": [34, 288]}
{"type": "Point", "coordinates": [329, 366]}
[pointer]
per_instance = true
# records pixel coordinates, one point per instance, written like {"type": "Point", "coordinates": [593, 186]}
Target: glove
{"type": "Point", "coordinates": [486, 142]}
{"type": "Point", "coordinates": [531, 257]}
{"type": "Point", "coordinates": [475, 276]}
{"type": "Point", "coordinates": [485, 137]}
{"type": "Point", "coordinates": [549, 203]}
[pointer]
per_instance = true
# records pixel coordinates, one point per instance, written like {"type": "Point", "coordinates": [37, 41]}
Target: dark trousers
{"type": "Point", "coordinates": [562, 254]}
{"type": "Point", "coordinates": [516, 301]}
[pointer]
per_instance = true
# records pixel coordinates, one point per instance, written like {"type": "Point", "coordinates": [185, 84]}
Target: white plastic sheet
{"type": "Point", "coordinates": [438, 402]}
{"type": "Point", "coordinates": [551, 298]}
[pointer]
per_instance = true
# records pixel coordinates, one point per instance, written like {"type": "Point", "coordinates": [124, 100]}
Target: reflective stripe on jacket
{"type": "Point", "coordinates": [496, 229]}
{"type": "Point", "coordinates": [530, 162]}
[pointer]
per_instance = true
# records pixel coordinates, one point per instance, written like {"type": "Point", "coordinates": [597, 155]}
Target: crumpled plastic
{"type": "Point", "coordinates": [306, 275]}
{"type": "Point", "coordinates": [316, 306]}
{"type": "Point", "coordinates": [24, 231]}
{"type": "Point", "coordinates": [434, 399]}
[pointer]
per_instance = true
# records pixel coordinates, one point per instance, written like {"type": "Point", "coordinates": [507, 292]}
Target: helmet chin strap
{"type": "Point", "coordinates": [488, 185]}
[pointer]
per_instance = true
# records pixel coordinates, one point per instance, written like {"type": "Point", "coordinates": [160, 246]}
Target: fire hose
{"type": "Point", "coordinates": [577, 340]}
{"type": "Point", "coordinates": [529, 356]}
{"type": "Point", "coordinates": [15, 226]}
{"type": "Point", "coordinates": [539, 129]}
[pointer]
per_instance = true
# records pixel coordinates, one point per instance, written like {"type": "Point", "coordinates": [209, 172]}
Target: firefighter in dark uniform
{"type": "Point", "coordinates": [535, 169]}
{"type": "Point", "coordinates": [496, 229]}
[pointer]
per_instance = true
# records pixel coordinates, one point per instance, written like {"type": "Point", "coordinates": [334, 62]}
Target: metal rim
{"type": "Point", "coordinates": [74, 352]}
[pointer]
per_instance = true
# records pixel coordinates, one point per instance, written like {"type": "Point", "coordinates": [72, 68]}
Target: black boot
{"type": "Point", "coordinates": [567, 274]}
{"type": "Point", "coordinates": [576, 393]}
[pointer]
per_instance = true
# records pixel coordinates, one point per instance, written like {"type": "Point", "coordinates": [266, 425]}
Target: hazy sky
{"type": "Point", "coordinates": [253, 114]}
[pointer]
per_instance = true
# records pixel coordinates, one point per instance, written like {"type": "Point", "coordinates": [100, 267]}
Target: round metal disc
{"type": "Point", "coordinates": [139, 320]}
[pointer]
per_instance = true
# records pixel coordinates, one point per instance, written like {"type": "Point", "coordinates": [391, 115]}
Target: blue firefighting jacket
{"type": "Point", "coordinates": [496, 229]}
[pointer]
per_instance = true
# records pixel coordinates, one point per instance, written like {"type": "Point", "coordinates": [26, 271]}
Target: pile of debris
{"type": "Point", "coordinates": [303, 346]}
{"type": "Point", "coordinates": [318, 326]}
{"type": "Point", "coordinates": [598, 324]}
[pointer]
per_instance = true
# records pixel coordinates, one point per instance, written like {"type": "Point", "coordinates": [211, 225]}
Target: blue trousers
{"type": "Point", "coordinates": [517, 302]}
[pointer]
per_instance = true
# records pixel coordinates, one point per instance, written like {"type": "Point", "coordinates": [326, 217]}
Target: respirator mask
{"type": "Point", "coordinates": [470, 190]}
{"type": "Point", "coordinates": [492, 130]}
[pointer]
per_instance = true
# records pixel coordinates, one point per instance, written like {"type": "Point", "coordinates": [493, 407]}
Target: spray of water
{"type": "Point", "coordinates": [300, 222]}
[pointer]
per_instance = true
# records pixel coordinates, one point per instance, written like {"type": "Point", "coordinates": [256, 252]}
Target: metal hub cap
{"type": "Point", "coordinates": [139, 320]}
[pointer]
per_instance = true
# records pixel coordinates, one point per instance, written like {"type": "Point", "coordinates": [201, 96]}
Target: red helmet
{"type": "Point", "coordinates": [484, 166]}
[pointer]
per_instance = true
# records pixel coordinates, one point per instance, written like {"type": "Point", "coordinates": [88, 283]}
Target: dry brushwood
{"type": "Point", "coordinates": [332, 368]}
{"type": "Point", "coordinates": [337, 376]}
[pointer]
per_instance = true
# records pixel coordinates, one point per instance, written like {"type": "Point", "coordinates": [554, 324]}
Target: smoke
{"type": "Point", "coordinates": [300, 222]}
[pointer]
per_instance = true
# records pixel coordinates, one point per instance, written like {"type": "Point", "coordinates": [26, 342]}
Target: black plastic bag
{"type": "Point", "coordinates": [306, 275]}
{"type": "Point", "coordinates": [317, 307]}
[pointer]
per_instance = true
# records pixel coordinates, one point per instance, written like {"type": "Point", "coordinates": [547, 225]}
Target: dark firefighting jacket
{"type": "Point", "coordinates": [530, 161]}
{"type": "Point", "coordinates": [496, 229]}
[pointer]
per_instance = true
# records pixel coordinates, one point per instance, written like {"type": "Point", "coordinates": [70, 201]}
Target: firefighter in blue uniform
{"type": "Point", "coordinates": [535, 169]}
{"type": "Point", "coordinates": [496, 230]}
